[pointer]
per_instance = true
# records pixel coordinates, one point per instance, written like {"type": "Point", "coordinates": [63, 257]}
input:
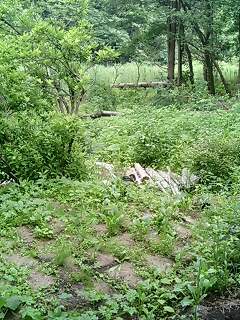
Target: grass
{"type": "Point", "coordinates": [129, 72]}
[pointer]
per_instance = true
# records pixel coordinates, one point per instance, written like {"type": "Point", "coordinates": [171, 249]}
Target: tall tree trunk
{"type": "Point", "coordinates": [172, 29]}
{"type": "Point", "coordinates": [208, 62]}
{"type": "Point", "coordinates": [190, 64]}
{"type": "Point", "coordinates": [238, 49]}
{"type": "Point", "coordinates": [180, 43]}
{"type": "Point", "coordinates": [205, 75]}
{"type": "Point", "coordinates": [208, 52]}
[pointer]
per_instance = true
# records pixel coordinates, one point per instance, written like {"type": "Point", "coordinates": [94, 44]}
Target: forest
{"type": "Point", "coordinates": [120, 159]}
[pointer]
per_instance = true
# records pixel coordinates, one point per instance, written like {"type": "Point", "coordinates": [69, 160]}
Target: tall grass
{"type": "Point", "coordinates": [130, 72]}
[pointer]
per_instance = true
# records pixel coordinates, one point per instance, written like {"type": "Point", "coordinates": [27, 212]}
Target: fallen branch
{"type": "Point", "coordinates": [101, 114]}
{"type": "Point", "coordinates": [139, 85]}
{"type": "Point", "coordinates": [166, 181]}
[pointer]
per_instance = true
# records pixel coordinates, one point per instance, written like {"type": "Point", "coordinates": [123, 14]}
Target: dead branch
{"type": "Point", "coordinates": [101, 114]}
{"type": "Point", "coordinates": [139, 85]}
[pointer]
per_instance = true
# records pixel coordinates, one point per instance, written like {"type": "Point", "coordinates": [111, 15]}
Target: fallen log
{"type": "Point", "coordinates": [101, 114]}
{"type": "Point", "coordinates": [131, 174]}
{"type": "Point", "coordinates": [145, 85]}
{"type": "Point", "coordinates": [170, 181]}
{"type": "Point", "coordinates": [142, 174]}
{"type": "Point", "coordinates": [158, 180]}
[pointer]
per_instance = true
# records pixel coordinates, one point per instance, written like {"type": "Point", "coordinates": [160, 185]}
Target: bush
{"type": "Point", "coordinates": [50, 144]}
{"type": "Point", "coordinates": [214, 157]}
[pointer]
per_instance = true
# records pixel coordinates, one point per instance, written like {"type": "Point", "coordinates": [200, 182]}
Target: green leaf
{"type": "Point", "coordinates": [168, 309]}
{"type": "Point", "coordinates": [165, 281]}
{"type": "Point", "coordinates": [206, 283]}
{"type": "Point", "coordinates": [186, 302]}
{"type": "Point", "coordinates": [13, 303]}
{"type": "Point", "coordinates": [2, 302]}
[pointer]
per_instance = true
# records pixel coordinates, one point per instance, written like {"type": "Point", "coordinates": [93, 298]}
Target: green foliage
{"type": "Point", "coordinates": [62, 255]}
{"type": "Point", "coordinates": [8, 304]}
{"type": "Point", "coordinates": [33, 145]}
{"type": "Point", "coordinates": [204, 142]}
{"type": "Point", "coordinates": [46, 57]}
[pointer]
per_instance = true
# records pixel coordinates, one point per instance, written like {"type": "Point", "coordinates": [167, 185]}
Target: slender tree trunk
{"type": "Point", "coordinates": [208, 54]}
{"type": "Point", "coordinates": [171, 42]}
{"type": "Point", "coordinates": [190, 64]}
{"type": "Point", "coordinates": [180, 44]}
{"type": "Point", "coordinates": [238, 49]}
{"type": "Point", "coordinates": [224, 81]}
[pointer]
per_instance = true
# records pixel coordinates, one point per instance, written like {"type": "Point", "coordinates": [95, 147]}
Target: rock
{"type": "Point", "coordinates": [21, 261]}
{"type": "Point", "coordinates": [26, 235]}
{"type": "Point", "coordinates": [126, 273]}
{"type": "Point", "coordinates": [104, 260]}
{"type": "Point", "coordinates": [161, 263]}
{"type": "Point", "coordinates": [38, 280]}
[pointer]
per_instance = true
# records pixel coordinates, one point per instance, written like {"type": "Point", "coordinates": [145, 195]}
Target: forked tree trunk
{"type": "Point", "coordinates": [172, 29]}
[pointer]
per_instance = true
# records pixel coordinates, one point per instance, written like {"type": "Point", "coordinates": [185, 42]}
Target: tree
{"type": "Point", "coordinates": [53, 51]}
{"type": "Point", "coordinates": [172, 30]}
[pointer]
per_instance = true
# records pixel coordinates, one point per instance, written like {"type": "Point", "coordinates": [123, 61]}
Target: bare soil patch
{"type": "Point", "coordinates": [126, 273]}
{"type": "Point", "coordinates": [26, 235]}
{"type": "Point", "coordinates": [21, 261]}
{"type": "Point", "coordinates": [38, 280]}
{"type": "Point", "coordinates": [161, 263]}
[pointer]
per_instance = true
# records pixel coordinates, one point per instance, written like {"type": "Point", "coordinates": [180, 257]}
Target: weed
{"type": "Point", "coordinates": [63, 253]}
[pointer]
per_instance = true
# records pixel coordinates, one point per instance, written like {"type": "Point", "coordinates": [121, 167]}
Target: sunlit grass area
{"type": "Point", "coordinates": [133, 72]}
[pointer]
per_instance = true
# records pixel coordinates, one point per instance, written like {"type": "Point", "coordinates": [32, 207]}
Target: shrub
{"type": "Point", "coordinates": [33, 145]}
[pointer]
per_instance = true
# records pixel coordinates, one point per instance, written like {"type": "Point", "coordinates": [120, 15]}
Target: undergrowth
{"type": "Point", "coordinates": [56, 184]}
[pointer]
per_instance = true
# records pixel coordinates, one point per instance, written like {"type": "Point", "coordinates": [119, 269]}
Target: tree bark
{"type": "Point", "coordinates": [206, 39]}
{"type": "Point", "coordinates": [208, 62]}
{"type": "Point", "coordinates": [190, 64]}
{"type": "Point", "coordinates": [171, 42]}
{"type": "Point", "coordinates": [208, 52]}
{"type": "Point", "coordinates": [180, 46]}
{"type": "Point", "coordinates": [205, 74]}
{"type": "Point", "coordinates": [238, 49]}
